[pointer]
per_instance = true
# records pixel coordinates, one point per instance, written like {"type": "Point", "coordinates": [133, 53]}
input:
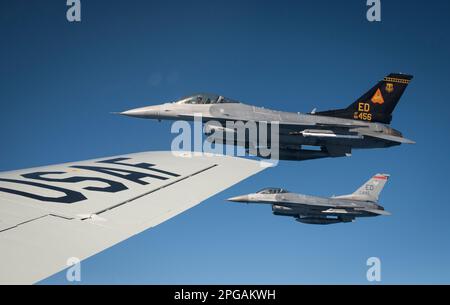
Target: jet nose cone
{"type": "Point", "coordinates": [242, 198]}
{"type": "Point", "coordinates": [143, 112]}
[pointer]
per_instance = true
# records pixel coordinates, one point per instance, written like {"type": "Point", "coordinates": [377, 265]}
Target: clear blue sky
{"type": "Point", "coordinates": [60, 81]}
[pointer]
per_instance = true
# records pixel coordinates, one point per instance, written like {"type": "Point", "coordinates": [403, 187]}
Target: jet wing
{"type": "Point", "coordinates": [322, 204]}
{"type": "Point", "coordinates": [314, 124]}
{"type": "Point", "coordinates": [287, 124]}
{"type": "Point", "coordinates": [53, 213]}
{"type": "Point", "coordinates": [319, 204]}
{"type": "Point", "coordinates": [335, 125]}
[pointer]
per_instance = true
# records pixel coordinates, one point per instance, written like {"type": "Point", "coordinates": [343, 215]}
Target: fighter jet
{"type": "Point", "coordinates": [319, 210]}
{"type": "Point", "coordinates": [332, 133]}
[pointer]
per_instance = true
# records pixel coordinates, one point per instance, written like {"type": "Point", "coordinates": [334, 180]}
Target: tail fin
{"type": "Point", "coordinates": [369, 191]}
{"type": "Point", "coordinates": [377, 104]}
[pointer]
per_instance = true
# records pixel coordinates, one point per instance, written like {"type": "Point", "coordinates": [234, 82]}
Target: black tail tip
{"type": "Point", "coordinates": [407, 77]}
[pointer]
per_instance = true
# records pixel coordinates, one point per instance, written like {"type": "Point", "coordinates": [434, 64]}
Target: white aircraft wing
{"type": "Point", "coordinates": [52, 213]}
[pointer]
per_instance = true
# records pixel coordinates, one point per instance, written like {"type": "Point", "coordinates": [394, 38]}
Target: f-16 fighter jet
{"type": "Point", "coordinates": [319, 210]}
{"type": "Point", "coordinates": [334, 133]}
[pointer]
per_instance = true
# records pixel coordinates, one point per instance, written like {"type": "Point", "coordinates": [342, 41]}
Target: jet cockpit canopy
{"type": "Point", "coordinates": [272, 190]}
{"type": "Point", "coordinates": [205, 98]}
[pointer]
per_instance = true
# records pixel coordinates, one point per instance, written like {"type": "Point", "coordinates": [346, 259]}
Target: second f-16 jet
{"type": "Point", "coordinates": [320, 210]}
{"type": "Point", "coordinates": [332, 133]}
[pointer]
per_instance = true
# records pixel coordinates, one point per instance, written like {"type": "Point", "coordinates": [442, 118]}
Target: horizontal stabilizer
{"type": "Point", "coordinates": [386, 137]}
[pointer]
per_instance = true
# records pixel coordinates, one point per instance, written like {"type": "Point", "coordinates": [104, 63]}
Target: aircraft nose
{"type": "Point", "coordinates": [242, 198]}
{"type": "Point", "coordinates": [143, 112]}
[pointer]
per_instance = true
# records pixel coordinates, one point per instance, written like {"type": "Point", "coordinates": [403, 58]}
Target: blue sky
{"type": "Point", "coordinates": [60, 81]}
